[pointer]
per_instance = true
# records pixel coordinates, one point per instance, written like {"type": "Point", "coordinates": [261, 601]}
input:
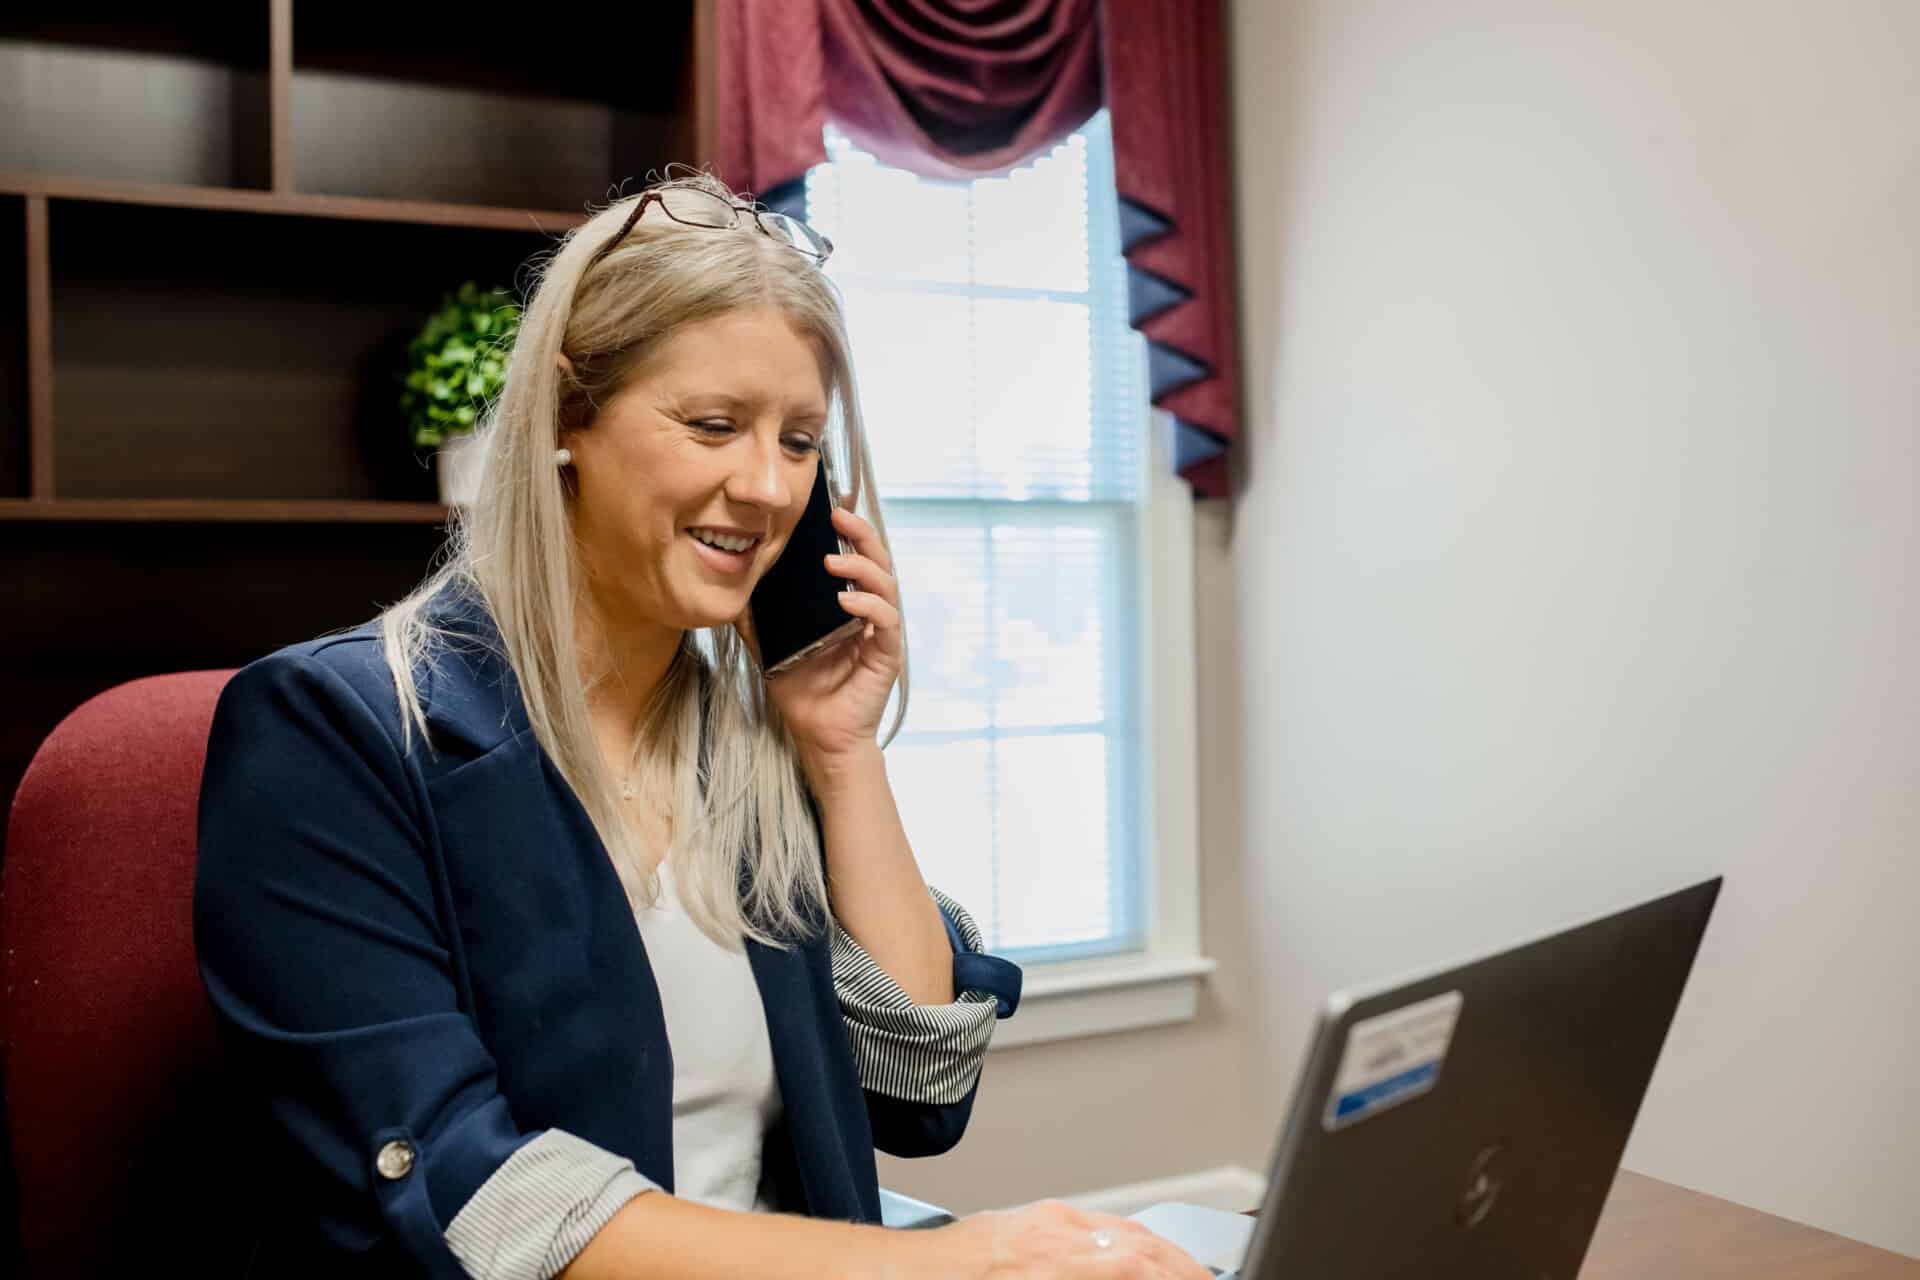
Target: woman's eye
{"type": "Point", "coordinates": [803, 444]}
{"type": "Point", "coordinates": [713, 426]}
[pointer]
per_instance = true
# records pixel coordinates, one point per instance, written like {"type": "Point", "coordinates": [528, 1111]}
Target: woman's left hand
{"type": "Point", "coordinates": [832, 701]}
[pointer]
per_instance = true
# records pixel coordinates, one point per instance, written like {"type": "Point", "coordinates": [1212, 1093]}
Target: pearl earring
{"type": "Point", "coordinates": [563, 457]}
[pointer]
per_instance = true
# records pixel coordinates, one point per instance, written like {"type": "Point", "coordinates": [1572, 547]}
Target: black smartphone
{"type": "Point", "coordinates": [796, 605]}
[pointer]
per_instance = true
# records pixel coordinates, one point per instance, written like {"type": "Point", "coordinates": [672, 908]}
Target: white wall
{"type": "Point", "coordinates": [1577, 555]}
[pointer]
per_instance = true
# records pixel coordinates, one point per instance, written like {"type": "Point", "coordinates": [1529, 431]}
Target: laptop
{"type": "Point", "coordinates": [1468, 1122]}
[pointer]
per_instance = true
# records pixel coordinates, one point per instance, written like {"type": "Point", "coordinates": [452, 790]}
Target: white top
{"type": "Point", "coordinates": [725, 1095]}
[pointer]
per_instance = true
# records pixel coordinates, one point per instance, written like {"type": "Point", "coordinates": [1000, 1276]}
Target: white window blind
{"type": "Point", "coordinates": [1006, 404]}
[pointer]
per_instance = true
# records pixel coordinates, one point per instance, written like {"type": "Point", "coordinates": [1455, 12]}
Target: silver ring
{"type": "Point", "coordinates": [1103, 1240]}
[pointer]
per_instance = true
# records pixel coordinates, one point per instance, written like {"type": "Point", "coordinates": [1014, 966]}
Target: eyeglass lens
{"type": "Point", "coordinates": [794, 232]}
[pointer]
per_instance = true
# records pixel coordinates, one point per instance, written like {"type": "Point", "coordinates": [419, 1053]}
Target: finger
{"type": "Point", "coordinates": [1177, 1261]}
{"type": "Point", "coordinates": [1177, 1264]}
{"type": "Point", "coordinates": [864, 604]}
{"type": "Point", "coordinates": [866, 574]}
{"type": "Point", "coordinates": [863, 536]}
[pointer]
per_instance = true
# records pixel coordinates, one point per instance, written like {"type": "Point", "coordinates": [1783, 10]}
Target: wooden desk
{"type": "Point", "coordinates": [1653, 1230]}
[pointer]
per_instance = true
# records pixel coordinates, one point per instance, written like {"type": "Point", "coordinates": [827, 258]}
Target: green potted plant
{"type": "Point", "coordinates": [456, 365]}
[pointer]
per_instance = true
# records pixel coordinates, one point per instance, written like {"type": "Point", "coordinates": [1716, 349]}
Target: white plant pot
{"type": "Point", "coordinates": [457, 466]}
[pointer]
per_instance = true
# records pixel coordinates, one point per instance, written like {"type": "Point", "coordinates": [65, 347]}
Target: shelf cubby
{"type": "Point", "coordinates": [212, 354]}
{"type": "Point", "coordinates": [137, 92]}
{"type": "Point", "coordinates": [405, 103]}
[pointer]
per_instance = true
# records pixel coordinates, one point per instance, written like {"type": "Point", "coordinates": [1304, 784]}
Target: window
{"type": "Point", "coordinates": [1006, 405]}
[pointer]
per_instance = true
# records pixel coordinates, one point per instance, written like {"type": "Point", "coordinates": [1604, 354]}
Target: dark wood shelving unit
{"type": "Point", "coordinates": [16, 456]}
{"type": "Point", "coordinates": [226, 199]}
{"type": "Point", "coordinates": [220, 224]}
{"type": "Point", "coordinates": [215, 510]}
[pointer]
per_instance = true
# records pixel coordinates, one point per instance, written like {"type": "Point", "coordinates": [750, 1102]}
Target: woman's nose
{"type": "Point", "coordinates": [761, 479]}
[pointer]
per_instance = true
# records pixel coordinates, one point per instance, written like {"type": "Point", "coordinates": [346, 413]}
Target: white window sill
{"type": "Point", "coordinates": [1095, 997]}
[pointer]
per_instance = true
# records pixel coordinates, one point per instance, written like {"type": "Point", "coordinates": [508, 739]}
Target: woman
{"type": "Point", "coordinates": [559, 940]}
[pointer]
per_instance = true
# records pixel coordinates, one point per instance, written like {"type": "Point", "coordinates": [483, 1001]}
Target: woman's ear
{"type": "Point", "coordinates": [565, 365]}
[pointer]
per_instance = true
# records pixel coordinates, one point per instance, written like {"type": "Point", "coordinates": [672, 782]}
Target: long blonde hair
{"type": "Point", "coordinates": [747, 856]}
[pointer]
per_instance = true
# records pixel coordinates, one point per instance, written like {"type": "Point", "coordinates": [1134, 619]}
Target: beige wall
{"type": "Point", "coordinates": [1578, 544]}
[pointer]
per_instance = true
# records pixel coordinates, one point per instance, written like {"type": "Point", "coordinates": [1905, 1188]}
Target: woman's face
{"type": "Point", "coordinates": [692, 478]}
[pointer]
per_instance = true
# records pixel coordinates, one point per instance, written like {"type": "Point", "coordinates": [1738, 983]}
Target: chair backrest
{"type": "Point", "coordinates": [107, 1050]}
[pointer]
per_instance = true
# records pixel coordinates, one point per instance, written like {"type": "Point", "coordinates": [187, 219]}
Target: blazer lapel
{"type": "Point", "coordinates": [472, 694]}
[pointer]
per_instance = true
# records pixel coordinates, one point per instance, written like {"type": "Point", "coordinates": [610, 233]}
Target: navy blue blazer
{"type": "Point", "coordinates": [435, 949]}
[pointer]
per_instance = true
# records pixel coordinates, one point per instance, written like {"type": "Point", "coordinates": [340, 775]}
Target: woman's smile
{"type": "Point", "coordinates": [725, 549]}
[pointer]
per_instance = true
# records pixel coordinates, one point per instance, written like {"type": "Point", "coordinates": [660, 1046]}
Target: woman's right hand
{"type": "Point", "coordinates": [1054, 1241]}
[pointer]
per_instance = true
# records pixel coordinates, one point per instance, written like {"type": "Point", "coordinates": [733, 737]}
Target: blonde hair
{"type": "Point", "coordinates": [746, 850]}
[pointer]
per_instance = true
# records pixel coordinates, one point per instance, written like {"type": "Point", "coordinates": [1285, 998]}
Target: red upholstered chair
{"type": "Point", "coordinates": [107, 1046]}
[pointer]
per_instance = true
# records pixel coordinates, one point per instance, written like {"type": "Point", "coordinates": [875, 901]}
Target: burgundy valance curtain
{"type": "Point", "coordinates": [958, 89]}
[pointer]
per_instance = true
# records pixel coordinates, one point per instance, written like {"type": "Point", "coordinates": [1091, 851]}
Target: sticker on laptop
{"type": "Point", "coordinates": [1391, 1058]}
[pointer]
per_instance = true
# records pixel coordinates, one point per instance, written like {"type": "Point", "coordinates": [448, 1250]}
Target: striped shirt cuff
{"type": "Point", "coordinates": [927, 1053]}
{"type": "Point", "coordinates": [538, 1210]}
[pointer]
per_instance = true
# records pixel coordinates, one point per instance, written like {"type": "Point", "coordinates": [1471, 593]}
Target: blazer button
{"type": "Point", "coordinates": [395, 1160]}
